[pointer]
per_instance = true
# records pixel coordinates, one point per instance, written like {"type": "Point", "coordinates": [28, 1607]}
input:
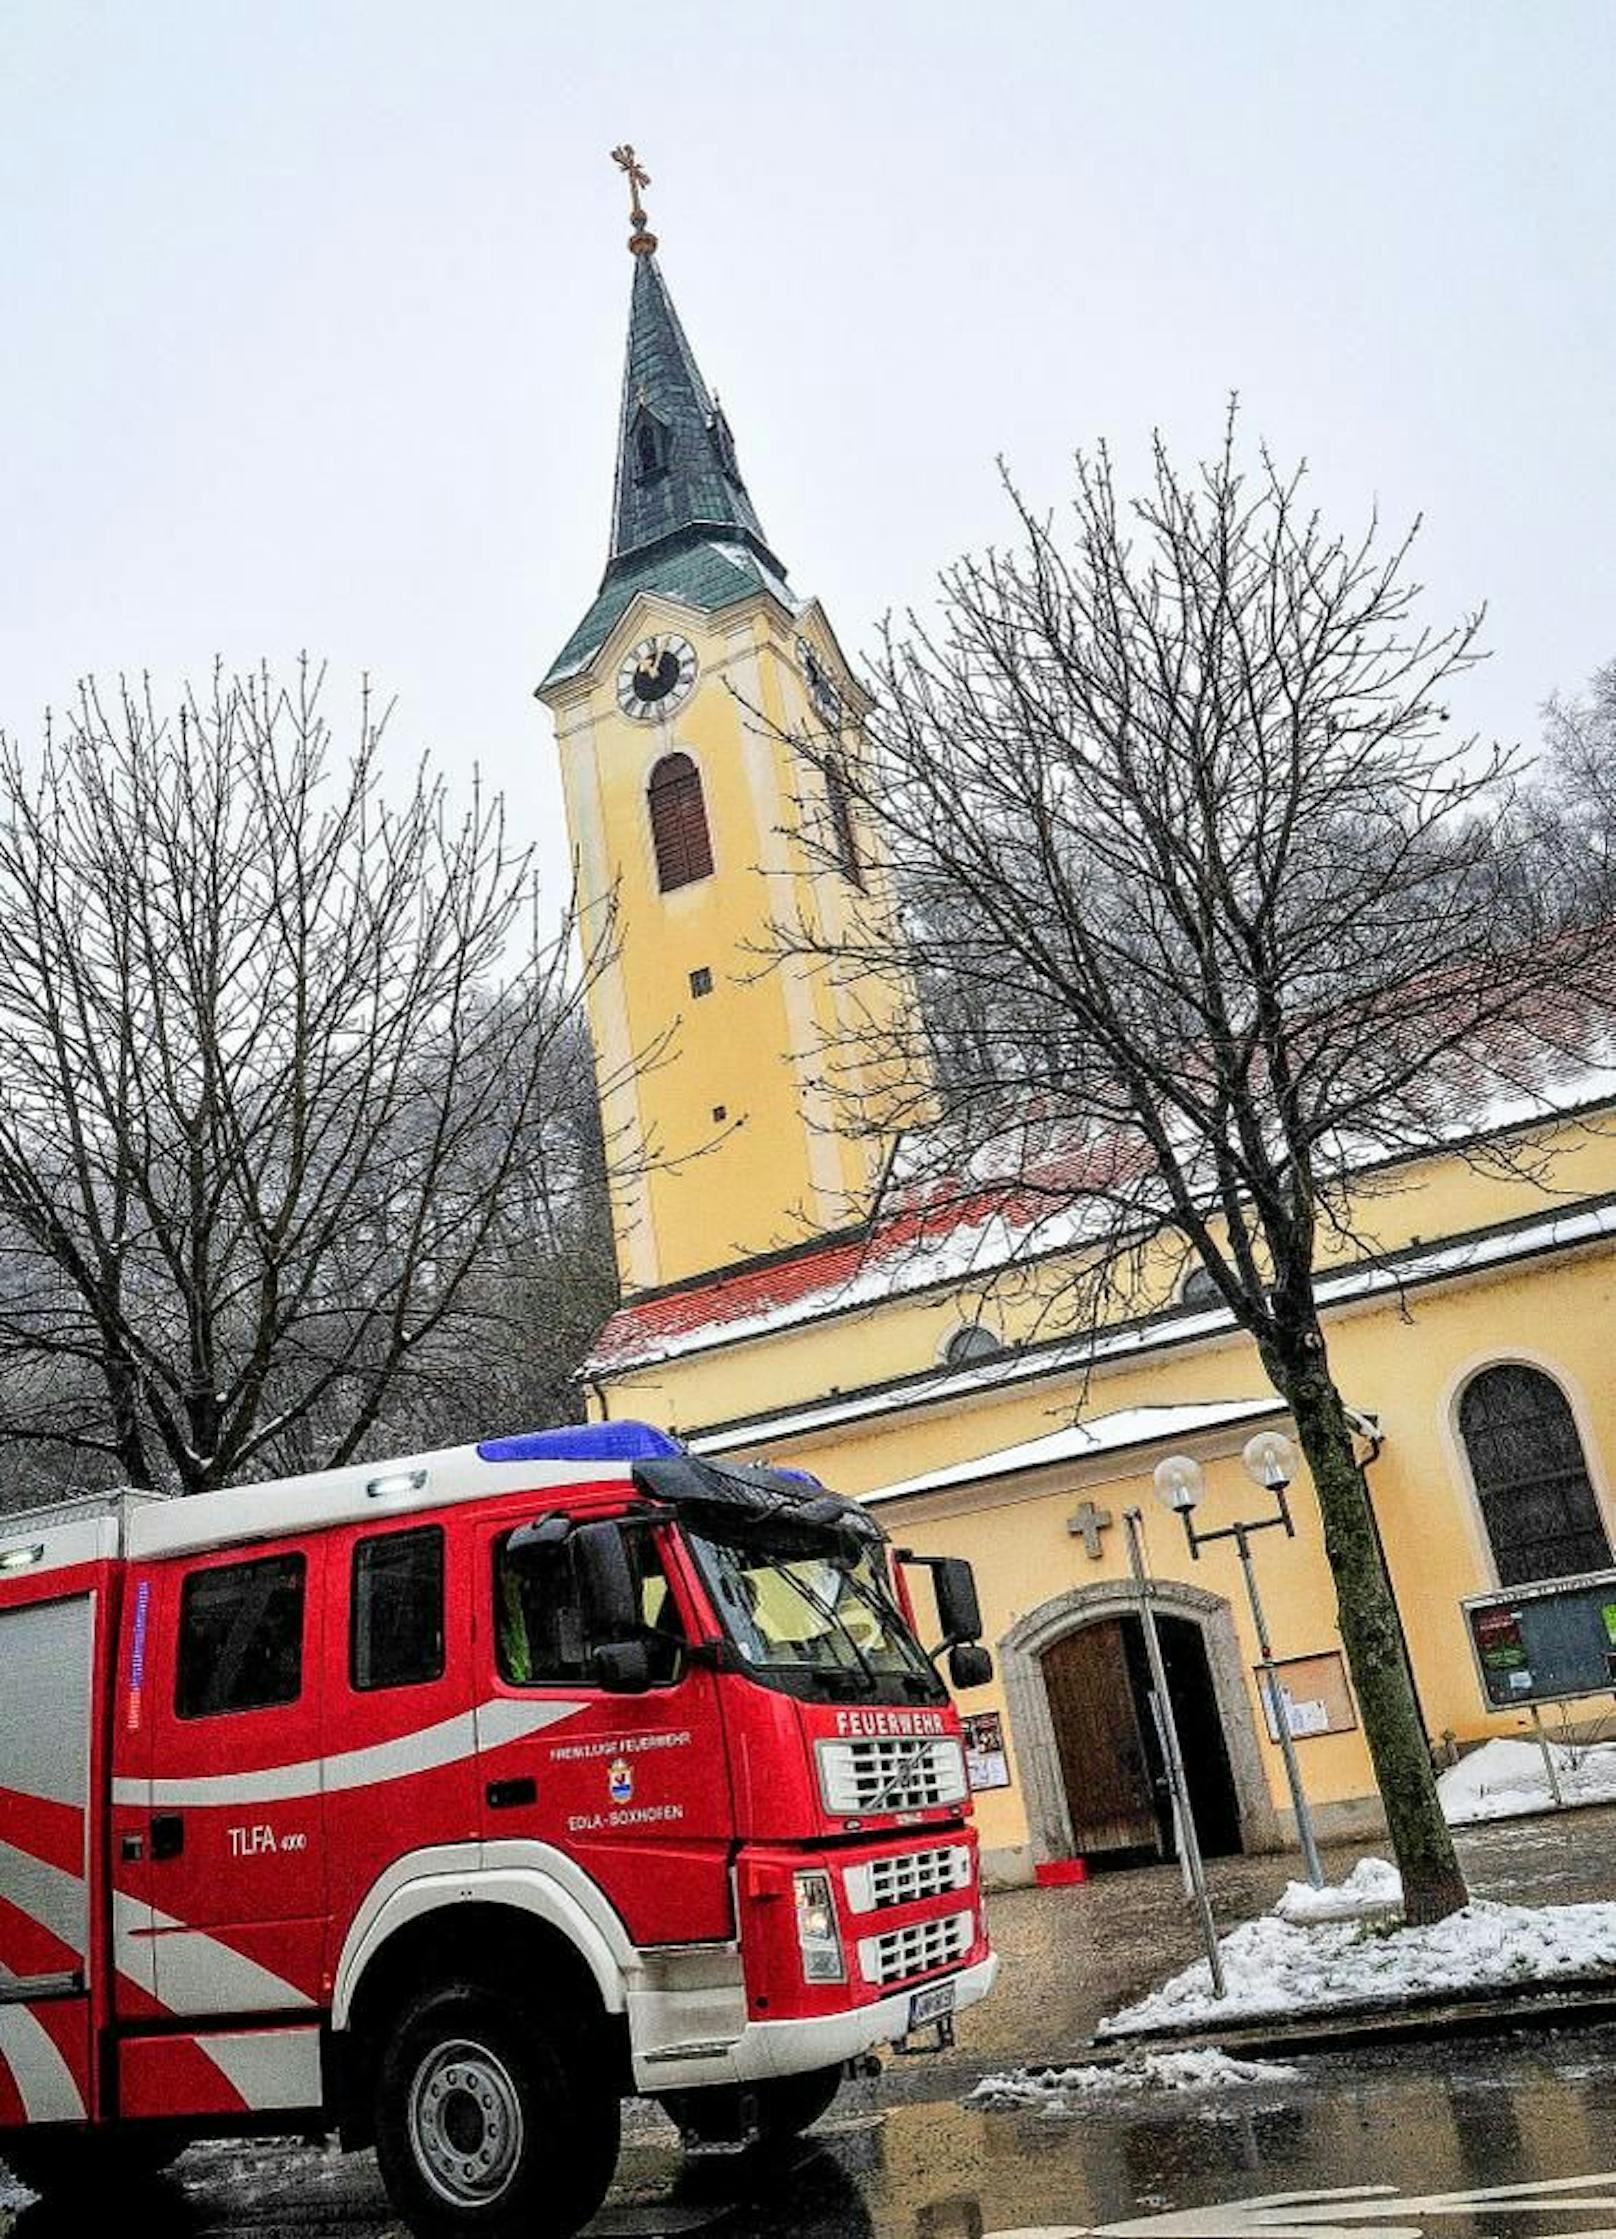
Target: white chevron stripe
{"type": "Point", "coordinates": [506, 1718]}
{"type": "Point", "coordinates": [43, 2079]}
{"type": "Point", "coordinates": [269, 2068]}
{"type": "Point", "coordinates": [56, 1900]}
{"type": "Point", "coordinates": [491, 1723]}
{"type": "Point", "coordinates": [201, 1974]}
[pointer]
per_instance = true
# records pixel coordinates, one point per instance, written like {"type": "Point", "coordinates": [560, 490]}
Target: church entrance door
{"type": "Point", "coordinates": [1098, 1682]}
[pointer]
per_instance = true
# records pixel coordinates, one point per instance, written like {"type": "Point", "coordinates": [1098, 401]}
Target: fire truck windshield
{"type": "Point", "coordinates": [819, 1624]}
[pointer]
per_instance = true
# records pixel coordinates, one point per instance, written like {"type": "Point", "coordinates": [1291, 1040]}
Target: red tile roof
{"type": "Point", "coordinates": [1548, 1057]}
{"type": "Point", "coordinates": [817, 1278]}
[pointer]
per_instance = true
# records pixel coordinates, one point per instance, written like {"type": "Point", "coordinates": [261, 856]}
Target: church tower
{"type": "Point", "coordinates": [697, 825]}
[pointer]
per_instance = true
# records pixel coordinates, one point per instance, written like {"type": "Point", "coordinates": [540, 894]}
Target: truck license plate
{"type": "Point", "coordinates": [930, 2004]}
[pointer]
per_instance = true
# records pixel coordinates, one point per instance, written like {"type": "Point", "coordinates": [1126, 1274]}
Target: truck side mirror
{"type": "Point", "coordinates": [969, 1665]}
{"type": "Point", "coordinates": [957, 1606]}
{"type": "Point", "coordinates": [543, 1531]}
{"type": "Point", "coordinates": [607, 1587]}
{"type": "Point", "coordinates": [623, 1667]}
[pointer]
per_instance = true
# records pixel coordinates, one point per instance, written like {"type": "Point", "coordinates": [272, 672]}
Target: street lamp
{"type": "Point", "coordinates": [1189, 1842]}
{"type": "Point", "coordinates": [1180, 1484]}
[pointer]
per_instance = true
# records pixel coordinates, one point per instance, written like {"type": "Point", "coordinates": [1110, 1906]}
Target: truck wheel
{"type": "Point", "coordinates": [484, 2130]}
{"type": "Point", "coordinates": [784, 2106]}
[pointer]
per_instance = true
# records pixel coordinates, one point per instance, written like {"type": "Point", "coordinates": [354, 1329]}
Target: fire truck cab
{"type": "Point", "coordinates": [445, 1802]}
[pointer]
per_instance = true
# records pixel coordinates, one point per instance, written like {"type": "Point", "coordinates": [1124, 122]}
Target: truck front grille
{"type": "Point", "coordinates": [908, 1880]}
{"type": "Point", "coordinates": [892, 1773]}
{"type": "Point", "coordinates": [903, 1953]}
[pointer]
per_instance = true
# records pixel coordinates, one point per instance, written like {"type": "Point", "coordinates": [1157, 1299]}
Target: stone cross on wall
{"type": "Point", "coordinates": [1089, 1521]}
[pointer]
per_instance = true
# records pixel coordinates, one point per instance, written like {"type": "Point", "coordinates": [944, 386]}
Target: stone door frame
{"type": "Point", "coordinates": [1021, 1653]}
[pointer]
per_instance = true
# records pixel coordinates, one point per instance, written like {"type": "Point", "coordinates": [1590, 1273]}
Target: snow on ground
{"type": "Point", "coordinates": [1273, 1967]}
{"type": "Point", "coordinates": [1507, 1780]}
{"type": "Point", "coordinates": [1370, 1892]}
{"type": "Point", "coordinates": [1052, 2090]}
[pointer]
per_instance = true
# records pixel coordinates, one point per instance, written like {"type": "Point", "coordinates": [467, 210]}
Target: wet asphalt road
{"type": "Point", "coordinates": [1457, 2119]}
{"type": "Point", "coordinates": [905, 2158]}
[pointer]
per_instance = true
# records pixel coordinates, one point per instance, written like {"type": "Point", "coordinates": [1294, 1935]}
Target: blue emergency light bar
{"type": "Point", "coordinates": [582, 1442]}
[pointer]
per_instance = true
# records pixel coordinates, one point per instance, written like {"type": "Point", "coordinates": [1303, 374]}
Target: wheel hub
{"type": "Point", "coordinates": [465, 2119]}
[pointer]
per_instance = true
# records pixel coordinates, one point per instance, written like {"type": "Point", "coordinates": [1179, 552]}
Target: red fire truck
{"type": "Point", "coordinates": [442, 1803]}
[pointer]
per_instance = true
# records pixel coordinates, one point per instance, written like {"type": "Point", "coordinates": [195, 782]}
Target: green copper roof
{"type": "Point", "coordinates": [682, 521]}
{"type": "Point", "coordinates": [704, 575]}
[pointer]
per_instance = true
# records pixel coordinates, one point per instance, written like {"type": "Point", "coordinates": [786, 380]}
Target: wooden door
{"type": "Point", "coordinates": [1109, 1791]}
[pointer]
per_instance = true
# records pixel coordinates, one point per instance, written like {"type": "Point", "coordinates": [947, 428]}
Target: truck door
{"type": "Point", "coordinates": [635, 1788]}
{"type": "Point", "coordinates": [231, 1852]}
{"type": "Point", "coordinates": [401, 1767]}
{"type": "Point", "coordinates": [47, 1651]}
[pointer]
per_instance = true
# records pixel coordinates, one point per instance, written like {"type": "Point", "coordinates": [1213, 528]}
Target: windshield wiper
{"type": "Point", "coordinates": [829, 1609]}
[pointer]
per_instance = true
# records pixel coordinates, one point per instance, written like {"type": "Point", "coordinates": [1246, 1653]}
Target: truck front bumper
{"type": "Point", "coordinates": [668, 2057]}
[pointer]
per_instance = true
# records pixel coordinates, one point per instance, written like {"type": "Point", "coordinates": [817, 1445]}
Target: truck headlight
{"type": "Point", "coordinates": [818, 1937]}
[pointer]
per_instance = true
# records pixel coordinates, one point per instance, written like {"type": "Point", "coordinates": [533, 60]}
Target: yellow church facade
{"type": "Point", "coordinates": [924, 1359]}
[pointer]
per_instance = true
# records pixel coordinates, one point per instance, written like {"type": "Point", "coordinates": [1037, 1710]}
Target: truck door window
{"type": "Point", "coordinates": [240, 1637]}
{"type": "Point", "coordinates": [539, 1626]}
{"type": "Point", "coordinates": [395, 1610]}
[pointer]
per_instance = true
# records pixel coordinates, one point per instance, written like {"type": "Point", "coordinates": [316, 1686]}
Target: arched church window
{"type": "Point", "coordinates": [1199, 1288]}
{"type": "Point", "coordinates": [1531, 1476]}
{"type": "Point", "coordinates": [842, 825]}
{"type": "Point", "coordinates": [975, 1342]}
{"type": "Point", "coordinates": [684, 849]}
{"type": "Point", "coordinates": [650, 447]}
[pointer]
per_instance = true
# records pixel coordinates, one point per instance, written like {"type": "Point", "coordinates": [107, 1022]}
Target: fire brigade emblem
{"type": "Point", "coordinates": [620, 1781]}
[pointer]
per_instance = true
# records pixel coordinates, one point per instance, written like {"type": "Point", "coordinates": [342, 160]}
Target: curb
{"type": "Point", "coordinates": [1583, 1999]}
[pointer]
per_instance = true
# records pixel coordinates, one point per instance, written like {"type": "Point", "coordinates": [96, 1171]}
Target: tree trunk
{"type": "Point", "coordinates": [1433, 1881]}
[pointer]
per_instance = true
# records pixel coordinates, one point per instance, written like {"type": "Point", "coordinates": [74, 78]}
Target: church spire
{"type": "Point", "coordinates": [677, 474]}
{"type": "Point", "coordinates": [682, 520]}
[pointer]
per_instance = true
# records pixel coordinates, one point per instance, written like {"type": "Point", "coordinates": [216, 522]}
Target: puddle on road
{"type": "Point", "coordinates": [1455, 2118]}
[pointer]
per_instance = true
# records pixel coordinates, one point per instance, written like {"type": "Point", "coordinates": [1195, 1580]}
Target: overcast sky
{"type": "Point", "coordinates": [312, 311]}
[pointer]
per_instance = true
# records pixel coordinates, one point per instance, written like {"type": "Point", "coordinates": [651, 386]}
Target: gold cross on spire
{"type": "Point", "coordinates": [641, 241]}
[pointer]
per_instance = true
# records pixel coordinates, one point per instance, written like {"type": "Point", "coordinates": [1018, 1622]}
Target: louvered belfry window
{"type": "Point", "coordinates": [684, 850]}
{"type": "Point", "coordinates": [1531, 1477]}
{"type": "Point", "coordinates": [841, 817]}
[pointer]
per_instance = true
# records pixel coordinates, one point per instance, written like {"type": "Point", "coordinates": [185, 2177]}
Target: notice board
{"type": "Point", "coordinates": [1315, 1695]}
{"type": "Point", "coordinates": [987, 1761]}
{"type": "Point", "coordinates": [1548, 1643]}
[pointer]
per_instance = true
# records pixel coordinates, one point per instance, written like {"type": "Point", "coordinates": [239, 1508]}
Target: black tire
{"type": "Point", "coordinates": [87, 2165]}
{"type": "Point", "coordinates": [490, 2126]}
{"type": "Point", "coordinates": [784, 2106]}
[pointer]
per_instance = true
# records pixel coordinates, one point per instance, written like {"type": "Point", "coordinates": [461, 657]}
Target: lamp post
{"type": "Point", "coordinates": [1180, 1483]}
{"type": "Point", "coordinates": [1167, 1730]}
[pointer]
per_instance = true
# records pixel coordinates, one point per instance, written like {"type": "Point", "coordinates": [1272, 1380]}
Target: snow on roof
{"type": "Point", "coordinates": [1470, 1254]}
{"type": "Point", "coordinates": [1078, 1442]}
{"type": "Point", "coordinates": [941, 1235]}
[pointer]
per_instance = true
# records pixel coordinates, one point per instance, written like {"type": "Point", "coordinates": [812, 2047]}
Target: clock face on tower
{"type": "Point", "coordinates": [656, 678]}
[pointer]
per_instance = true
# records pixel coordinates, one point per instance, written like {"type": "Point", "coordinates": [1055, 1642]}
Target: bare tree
{"type": "Point", "coordinates": [1577, 791]}
{"type": "Point", "coordinates": [1220, 922]}
{"type": "Point", "coordinates": [539, 1291]}
{"type": "Point", "coordinates": [283, 1068]}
